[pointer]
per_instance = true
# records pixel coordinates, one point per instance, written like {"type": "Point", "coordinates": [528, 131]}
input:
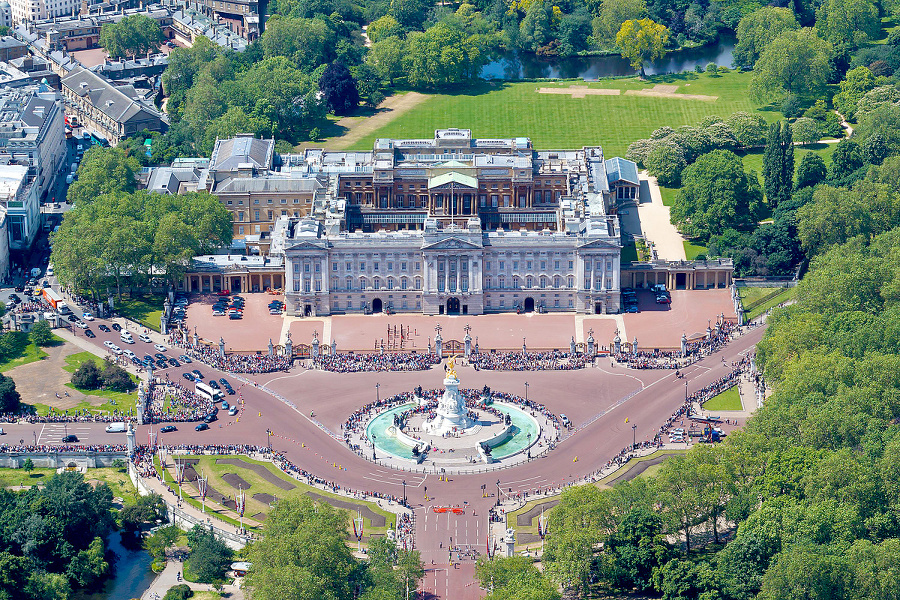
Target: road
{"type": "Point", "coordinates": [597, 400]}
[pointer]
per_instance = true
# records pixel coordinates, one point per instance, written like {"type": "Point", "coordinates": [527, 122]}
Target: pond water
{"type": "Point", "coordinates": [131, 572]}
{"type": "Point", "coordinates": [515, 65]}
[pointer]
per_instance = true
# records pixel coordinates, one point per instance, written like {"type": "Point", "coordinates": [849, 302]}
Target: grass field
{"type": "Point", "coordinates": [692, 251]}
{"type": "Point", "coordinates": [753, 159]}
{"type": "Point", "coordinates": [146, 310]}
{"type": "Point", "coordinates": [114, 400]}
{"type": "Point", "coordinates": [751, 295]}
{"type": "Point", "coordinates": [730, 399]}
{"type": "Point", "coordinates": [555, 121]}
{"type": "Point", "coordinates": [29, 354]}
{"type": "Point", "coordinates": [117, 479]}
{"type": "Point", "coordinates": [258, 485]}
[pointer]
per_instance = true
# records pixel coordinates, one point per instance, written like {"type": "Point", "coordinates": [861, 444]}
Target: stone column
{"type": "Point", "coordinates": [438, 342]}
{"type": "Point", "coordinates": [468, 345]}
{"type": "Point", "coordinates": [221, 347]}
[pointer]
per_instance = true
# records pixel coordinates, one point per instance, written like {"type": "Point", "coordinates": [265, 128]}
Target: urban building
{"type": "Point", "coordinates": [75, 32]}
{"type": "Point", "coordinates": [114, 112]}
{"type": "Point", "coordinates": [32, 135]}
{"type": "Point", "coordinates": [240, 16]}
{"type": "Point", "coordinates": [19, 199]}
{"type": "Point", "coordinates": [28, 11]}
{"type": "Point", "coordinates": [10, 47]}
{"type": "Point", "coordinates": [189, 24]}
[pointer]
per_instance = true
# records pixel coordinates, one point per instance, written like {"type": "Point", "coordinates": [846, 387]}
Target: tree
{"type": "Point", "coordinates": [612, 14]}
{"type": "Point", "coordinates": [307, 43]}
{"type": "Point", "coordinates": [303, 554]}
{"type": "Point", "coordinates": [874, 149]}
{"type": "Point", "coordinates": [778, 163]}
{"type": "Point", "coordinates": [845, 159]}
{"type": "Point", "coordinates": [386, 57]}
{"type": "Point", "coordinates": [29, 465]}
{"type": "Point", "coordinates": [716, 195]}
{"type": "Point", "coordinates": [847, 24]}
{"type": "Point", "coordinates": [103, 171]}
{"type": "Point", "coordinates": [383, 28]}
{"type": "Point", "coordinates": [805, 131]}
{"type": "Point", "coordinates": [796, 62]}
{"type": "Point", "coordinates": [10, 401]}
{"type": "Point", "coordinates": [807, 572]}
{"type": "Point", "coordinates": [134, 35]}
{"type": "Point", "coordinates": [748, 129]}
{"type": "Point", "coordinates": [856, 84]}
{"type": "Point", "coordinates": [209, 558]}
{"type": "Point", "coordinates": [640, 41]}
{"type": "Point", "coordinates": [757, 30]}
{"type": "Point", "coordinates": [514, 578]}
{"type": "Point", "coordinates": [812, 171]}
{"type": "Point", "coordinates": [666, 162]}
{"type": "Point", "coordinates": [117, 379]}
{"type": "Point", "coordinates": [87, 376]}
{"type": "Point", "coordinates": [41, 334]}
{"type": "Point", "coordinates": [339, 89]}
{"type": "Point", "coordinates": [441, 56]}
{"type": "Point", "coordinates": [89, 566]}
{"type": "Point", "coordinates": [636, 548]}
{"type": "Point", "coordinates": [409, 13]}
{"type": "Point", "coordinates": [182, 591]}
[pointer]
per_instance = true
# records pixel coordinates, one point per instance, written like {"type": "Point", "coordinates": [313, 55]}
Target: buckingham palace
{"type": "Point", "coordinates": [445, 225]}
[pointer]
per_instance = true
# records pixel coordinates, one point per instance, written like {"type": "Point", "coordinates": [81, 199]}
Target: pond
{"type": "Point", "coordinates": [515, 65]}
{"type": "Point", "coordinates": [131, 572]}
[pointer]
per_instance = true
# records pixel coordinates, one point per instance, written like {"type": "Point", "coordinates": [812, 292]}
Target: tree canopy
{"type": "Point", "coordinates": [757, 30]}
{"type": "Point", "coordinates": [134, 35]}
{"type": "Point", "coordinates": [640, 40]}
{"type": "Point", "coordinates": [796, 62]}
{"type": "Point", "coordinates": [716, 195]}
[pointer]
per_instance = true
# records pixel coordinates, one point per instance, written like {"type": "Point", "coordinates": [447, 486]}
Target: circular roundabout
{"type": "Point", "coordinates": [452, 430]}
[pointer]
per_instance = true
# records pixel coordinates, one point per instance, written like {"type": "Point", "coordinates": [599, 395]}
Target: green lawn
{"type": "Point", "coordinates": [753, 159]}
{"type": "Point", "coordinates": [730, 399]}
{"type": "Point", "coordinates": [692, 251]}
{"type": "Point", "coordinates": [259, 485]}
{"type": "Point", "coordinates": [559, 121]}
{"type": "Point", "coordinates": [29, 354]}
{"type": "Point", "coordinates": [750, 296]}
{"type": "Point", "coordinates": [629, 252]}
{"type": "Point", "coordinates": [668, 195]}
{"type": "Point", "coordinates": [117, 479]}
{"type": "Point", "coordinates": [146, 310]}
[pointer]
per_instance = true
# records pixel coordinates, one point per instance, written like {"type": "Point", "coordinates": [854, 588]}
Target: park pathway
{"type": "Point", "coordinates": [654, 222]}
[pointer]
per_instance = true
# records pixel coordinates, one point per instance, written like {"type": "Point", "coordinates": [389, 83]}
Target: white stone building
{"type": "Point", "coordinates": [28, 11]}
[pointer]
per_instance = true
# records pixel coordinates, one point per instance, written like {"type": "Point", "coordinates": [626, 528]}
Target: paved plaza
{"type": "Point", "coordinates": [656, 326]}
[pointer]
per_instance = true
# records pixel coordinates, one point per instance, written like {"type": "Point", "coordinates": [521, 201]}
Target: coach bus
{"type": "Point", "coordinates": [207, 393]}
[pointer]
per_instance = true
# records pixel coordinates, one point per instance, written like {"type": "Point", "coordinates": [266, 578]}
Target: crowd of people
{"type": "Point", "coordinates": [55, 415]}
{"type": "Point", "coordinates": [233, 363]}
{"type": "Point", "coordinates": [552, 360]}
{"type": "Point", "coordinates": [392, 361]}
{"type": "Point", "coordinates": [29, 307]}
{"type": "Point", "coordinates": [55, 448]}
{"type": "Point", "coordinates": [184, 404]}
{"type": "Point", "coordinates": [675, 359]}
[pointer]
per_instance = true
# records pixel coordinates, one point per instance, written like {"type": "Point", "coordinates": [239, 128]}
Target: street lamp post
{"type": "Point", "coordinates": [526, 391]}
{"type": "Point", "coordinates": [374, 437]}
{"type": "Point", "coordinates": [498, 492]}
{"type": "Point", "coordinates": [633, 436]}
{"type": "Point", "coordinates": [377, 393]}
{"type": "Point", "coordinates": [404, 492]}
{"type": "Point", "coordinates": [685, 391]}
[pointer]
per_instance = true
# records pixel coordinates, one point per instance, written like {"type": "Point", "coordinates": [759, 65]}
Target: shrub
{"type": "Point", "coordinates": [182, 591]}
{"type": "Point", "coordinates": [41, 334]}
{"type": "Point", "coordinates": [87, 376]}
{"type": "Point", "coordinates": [116, 378]}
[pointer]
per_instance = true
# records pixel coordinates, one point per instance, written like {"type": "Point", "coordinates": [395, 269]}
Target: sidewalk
{"type": "Point", "coordinates": [169, 577]}
{"type": "Point", "coordinates": [655, 223]}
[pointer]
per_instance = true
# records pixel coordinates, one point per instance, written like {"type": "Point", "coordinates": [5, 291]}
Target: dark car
{"type": "Point", "coordinates": [174, 362]}
{"type": "Point", "coordinates": [89, 333]}
{"type": "Point", "coordinates": [161, 356]}
{"type": "Point", "coordinates": [235, 316]}
{"type": "Point", "coordinates": [188, 376]}
{"type": "Point", "coordinates": [162, 364]}
{"type": "Point", "coordinates": [214, 384]}
{"type": "Point", "coordinates": [197, 374]}
{"type": "Point", "coordinates": [136, 361]}
{"type": "Point", "coordinates": [103, 327]}
{"type": "Point", "coordinates": [15, 298]}
{"type": "Point", "coordinates": [168, 428]}
{"type": "Point", "coordinates": [116, 327]}
{"type": "Point", "coordinates": [209, 418]}
{"type": "Point", "coordinates": [20, 288]}
{"type": "Point", "coordinates": [632, 309]}
{"type": "Point", "coordinates": [69, 439]}
{"type": "Point", "coordinates": [148, 358]}
{"type": "Point", "coordinates": [185, 359]}
{"type": "Point", "coordinates": [72, 318]}
{"type": "Point", "coordinates": [230, 390]}
{"type": "Point", "coordinates": [201, 427]}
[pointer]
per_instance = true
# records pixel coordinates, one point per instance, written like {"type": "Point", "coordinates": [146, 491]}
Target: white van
{"type": "Point", "coordinates": [125, 336]}
{"type": "Point", "coordinates": [116, 428]}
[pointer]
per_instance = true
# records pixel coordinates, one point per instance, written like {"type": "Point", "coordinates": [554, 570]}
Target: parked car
{"type": "Point", "coordinates": [185, 358]}
{"type": "Point", "coordinates": [160, 347]}
{"type": "Point", "coordinates": [197, 374]}
{"type": "Point", "coordinates": [89, 333]}
{"type": "Point", "coordinates": [201, 427]}
{"type": "Point", "coordinates": [116, 327]}
{"type": "Point", "coordinates": [174, 362]}
{"type": "Point", "coordinates": [145, 338]}
{"type": "Point", "coordinates": [103, 328]}
{"type": "Point", "coordinates": [188, 376]}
